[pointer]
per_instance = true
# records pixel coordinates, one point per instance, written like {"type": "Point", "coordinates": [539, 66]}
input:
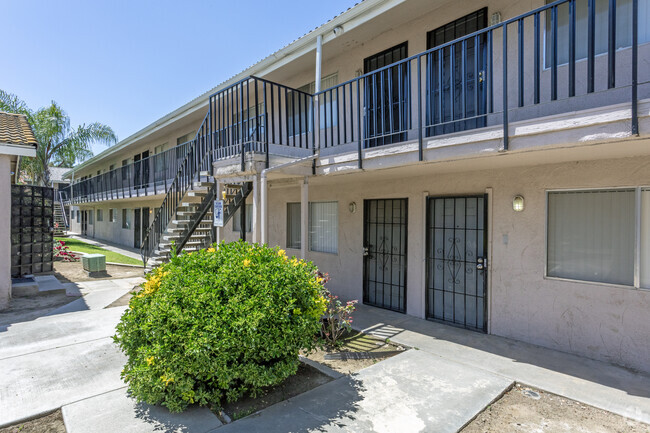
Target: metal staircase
{"type": "Point", "coordinates": [60, 217]}
{"type": "Point", "coordinates": [247, 116]}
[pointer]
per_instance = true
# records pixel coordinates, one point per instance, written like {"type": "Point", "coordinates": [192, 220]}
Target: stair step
{"type": "Point", "coordinates": [201, 184]}
{"type": "Point", "coordinates": [233, 185]}
{"type": "Point", "coordinates": [197, 193]}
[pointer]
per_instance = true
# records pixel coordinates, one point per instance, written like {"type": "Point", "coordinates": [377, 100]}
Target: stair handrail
{"type": "Point", "coordinates": [63, 212]}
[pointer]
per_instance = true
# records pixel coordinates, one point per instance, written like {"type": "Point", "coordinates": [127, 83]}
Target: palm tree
{"type": "Point", "coordinates": [58, 143]}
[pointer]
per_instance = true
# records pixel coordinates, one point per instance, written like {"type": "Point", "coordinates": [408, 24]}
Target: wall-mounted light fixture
{"type": "Point", "coordinates": [518, 203]}
{"type": "Point", "coordinates": [352, 207]}
{"type": "Point", "coordinates": [495, 18]}
{"type": "Point", "coordinates": [337, 30]}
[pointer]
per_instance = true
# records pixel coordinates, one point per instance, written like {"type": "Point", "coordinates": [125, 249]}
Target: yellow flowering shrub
{"type": "Point", "coordinates": [219, 323]}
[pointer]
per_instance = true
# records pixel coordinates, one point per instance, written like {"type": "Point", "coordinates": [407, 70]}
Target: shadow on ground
{"type": "Point", "coordinates": [460, 344]}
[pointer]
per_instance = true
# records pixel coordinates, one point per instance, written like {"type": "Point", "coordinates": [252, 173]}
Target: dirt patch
{"type": "Point", "coordinates": [305, 379]}
{"type": "Point", "coordinates": [357, 344]}
{"type": "Point", "coordinates": [70, 272]}
{"type": "Point", "coordinates": [30, 308]}
{"type": "Point", "coordinates": [525, 409]}
{"type": "Point", "coordinates": [52, 423]}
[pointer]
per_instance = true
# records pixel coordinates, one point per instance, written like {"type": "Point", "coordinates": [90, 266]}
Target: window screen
{"type": "Point", "coordinates": [293, 225]}
{"type": "Point", "coordinates": [591, 235]}
{"type": "Point", "coordinates": [323, 227]}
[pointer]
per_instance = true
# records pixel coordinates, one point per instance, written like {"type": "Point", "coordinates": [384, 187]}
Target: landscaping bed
{"type": "Point", "coordinates": [52, 423]}
{"type": "Point", "coordinates": [70, 272]}
{"type": "Point", "coordinates": [81, 247]}
{"type": "Point", "coordinates": [525, 409]}
{"type": "Point", "coordinates": [357, 351]}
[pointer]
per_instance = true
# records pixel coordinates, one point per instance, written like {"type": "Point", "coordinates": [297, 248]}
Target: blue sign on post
{"type": "Point", "coordinates": [218, 213]}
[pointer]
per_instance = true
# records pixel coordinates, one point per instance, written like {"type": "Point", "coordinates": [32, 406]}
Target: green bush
{"type": "Point", "coordinates": [213, 325]}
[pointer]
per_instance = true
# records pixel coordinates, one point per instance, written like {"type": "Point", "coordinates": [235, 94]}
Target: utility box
{"type": "Point", "coordinates": [94, 263]}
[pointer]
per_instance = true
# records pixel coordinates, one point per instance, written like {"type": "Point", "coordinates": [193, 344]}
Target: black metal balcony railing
{"type": "Point", "coordinates": [449, 88]}
{"type": "Point", "coordinates": [148, 176]}
{"type": "Point", "coordinates": [452, 87]}
{"type": "Point", "coordinates": [247, 116]}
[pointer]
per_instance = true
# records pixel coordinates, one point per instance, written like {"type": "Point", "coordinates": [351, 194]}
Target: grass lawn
{"type": "Point", "coordinates": [83, 247]}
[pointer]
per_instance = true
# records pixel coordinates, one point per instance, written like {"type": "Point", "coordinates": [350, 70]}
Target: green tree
{"type": "Point", "coordinates": [58, 143]}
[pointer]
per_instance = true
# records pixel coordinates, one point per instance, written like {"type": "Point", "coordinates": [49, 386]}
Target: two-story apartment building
{"type": "Point", "coordinates": [480, 164]}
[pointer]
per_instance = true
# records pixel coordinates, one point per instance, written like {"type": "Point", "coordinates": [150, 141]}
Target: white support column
{"type": "Point", "coordinates": [256, 210]}
{"type": "Point", "coordinates": [263, 208]}
{"type": "Point", "coordinates": [319, 57]}
{"type": "Point", "coordinates": [304, 218]}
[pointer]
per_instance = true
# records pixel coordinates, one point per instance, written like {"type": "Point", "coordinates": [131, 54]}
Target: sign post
{"type": "Point", "coordinates": [218, 213]}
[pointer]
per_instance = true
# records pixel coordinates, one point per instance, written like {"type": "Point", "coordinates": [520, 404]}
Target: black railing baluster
{"type": "Point", "coordinates": [611, 45]}
{"type": "Point", "coordinates": [463, 78]}
{"type": "Point", "coordinates": [536, 54]}
{"type": "Point", "coordinates": [420, 141]}
{"type": "Point", "coordinates": [520, 61]}
{"type": "Point", "coordinates": [591, 44]}
{"type": "Point", "coordinates": [324, 118]}
{"type": "Point", "coordinates": [359, 128]}
{"type": "Point", "coordinates": [338, 116]}
{"type": "Point", "coordinates": [572, 48]}
{"type": "Point", "coordinates": [476, 75]}
{"type": "Point", "coordinates": [554, 53]}
{"type": "Point", "coordinates": [635, 66]}
{"type": "Point", "coordinates": [345, 117]}
{"type": "Point", "coordinates": [505, 87]}
{"type": "Point", "coordinates": [391, 129]}
{"type": "Point", "coordinates": [331, 127]}
{"type": "Point", "coordinates": [490, 75]}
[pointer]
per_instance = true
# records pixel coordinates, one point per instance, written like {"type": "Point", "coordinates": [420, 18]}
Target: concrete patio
{"type": "Point", "coordinates": [68, 360]}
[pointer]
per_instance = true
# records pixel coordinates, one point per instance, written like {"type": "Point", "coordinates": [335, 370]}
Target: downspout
{"type": "Point", "coordinates": [264, 184]}
{"type": "Point", "coordinates": [313, 157]}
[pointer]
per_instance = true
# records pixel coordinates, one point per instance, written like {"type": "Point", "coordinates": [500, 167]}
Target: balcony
{"type": "Point", "coordinates": [551, 61]}
{"type": "Point", "coordinates": [147, 177]}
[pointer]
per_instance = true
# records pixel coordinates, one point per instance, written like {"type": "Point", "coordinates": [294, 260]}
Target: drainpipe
{"type": "Point", "coordinates": [319, 56]}
{"type": "Point", "coordinates": [264, 188]}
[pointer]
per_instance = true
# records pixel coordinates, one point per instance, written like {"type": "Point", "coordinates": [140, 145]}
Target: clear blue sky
{"type": "Point", "coordinates": [126, 63]}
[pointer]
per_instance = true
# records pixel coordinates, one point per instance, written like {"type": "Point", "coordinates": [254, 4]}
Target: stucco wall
{"type": "Point", "coordinates": [599, 321]}
{"type": "Point", "coordinates": [5, 231]}
{"type": "Point", "coordinates": [113, 231]}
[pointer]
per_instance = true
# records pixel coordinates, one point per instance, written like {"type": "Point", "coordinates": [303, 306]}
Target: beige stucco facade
{"type": "Point", "coordinates": [574, 143]}
{"type": "Point", "coordinates": [600, 321]}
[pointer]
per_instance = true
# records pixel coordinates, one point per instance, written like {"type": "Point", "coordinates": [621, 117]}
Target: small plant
{"type": "Point", "coordinates": [337, 319]}
{"type": "Point", "coordinates": [64, 253]}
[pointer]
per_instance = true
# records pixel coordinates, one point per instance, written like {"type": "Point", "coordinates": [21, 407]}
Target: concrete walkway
{"type": "Point", "coordinates": [595, 383]}
{"type": "Point", "coordinates": [134, 253]}
{"type": "Point", "coordinates": [68, 361]}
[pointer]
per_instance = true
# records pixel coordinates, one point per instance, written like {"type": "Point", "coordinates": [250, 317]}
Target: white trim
{"type": "Point", "coordinates": [17, 150]}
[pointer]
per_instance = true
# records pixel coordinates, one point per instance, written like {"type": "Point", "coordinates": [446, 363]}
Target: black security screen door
{"type": "Point", "coordinates": [456, 261]}
{"type": "Point", "coordinates": [454, 103]}
{"type": "Point", "coordinates": [386, 97]}
{"type": "Point", "coordinates": [384, 261]}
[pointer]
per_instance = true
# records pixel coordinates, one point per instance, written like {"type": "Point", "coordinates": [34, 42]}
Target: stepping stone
{"type": "Point", "coordinates": [116, 411]}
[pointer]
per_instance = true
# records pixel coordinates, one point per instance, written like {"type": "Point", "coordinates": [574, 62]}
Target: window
{"type": "Point", "coordinates": [323, 227]}
{"type": "Point", "coordinates": [302, 121]}
{"type": "Point", "coordinates": [623, 28]}
{"type": "Point", "coordinates": [592, 235]}
{"type": "Point", "coordinates": [112, 215]}
{"type": "Point", "coordinates": [185, 138]}
{"type": "Point", "coordinates": [125, 170]}
{"type": "Point", "coordinates": [90, 216]}
{"type": "Point", "coordinates": [236, 226]}
{"type": "Point", "coordinates": [78, 215]}
{"type": "Point", "coordinates": [293, 225]}
{"type": "Point", "coordinates": [126, 219]}
{"type": "Point", "coordinates": [100, 216]}
{"type": "Point", "coordinates": [159, 164]}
